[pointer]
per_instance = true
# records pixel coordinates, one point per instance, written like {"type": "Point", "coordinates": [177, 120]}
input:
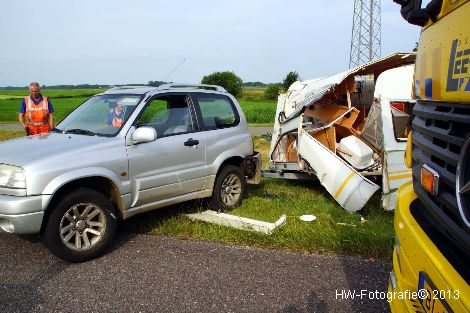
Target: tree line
{"type": "Point", "coordinates": [227, 79]}
{"type": "Point", "coordinates": [234, 84]}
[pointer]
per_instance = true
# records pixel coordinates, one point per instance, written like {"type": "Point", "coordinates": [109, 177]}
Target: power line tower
{"type": "Point", "coordinates": [366, 34]}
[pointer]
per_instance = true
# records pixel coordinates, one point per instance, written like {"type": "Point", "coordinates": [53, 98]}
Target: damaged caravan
{"type": "Point", "coordinates": [349, 130]}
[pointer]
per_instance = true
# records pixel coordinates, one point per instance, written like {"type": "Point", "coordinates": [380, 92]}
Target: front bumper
{"type": "Point", "coordinates": [415, 253]}
{"type": "Point", "coordinates": [21, 215]}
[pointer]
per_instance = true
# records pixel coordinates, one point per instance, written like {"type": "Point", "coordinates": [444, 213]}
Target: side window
{"type": "Point", "coordinates": [217, 111]}
{"type": "Point", "coordinates": [169, 115]}
{"type": "Point", "coordinates": [155, 112]}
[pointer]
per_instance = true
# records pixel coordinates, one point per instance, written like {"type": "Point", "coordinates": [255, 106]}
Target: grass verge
{"type": "Point", "coordinates": [6, 134]}
{"type": "Point", "coordinates": [367, 233]}
{"type": "Point", "coordinates": [335, 230]}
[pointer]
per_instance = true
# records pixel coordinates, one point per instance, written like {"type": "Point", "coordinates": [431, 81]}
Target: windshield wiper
{"type": "Point", "coordinates": [56, 130]}
{"type": "Point", "coordinates": [80, 132]}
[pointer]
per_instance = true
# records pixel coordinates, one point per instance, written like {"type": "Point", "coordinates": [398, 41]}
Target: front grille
{"type": "Point", "coordinates": [439, 132]}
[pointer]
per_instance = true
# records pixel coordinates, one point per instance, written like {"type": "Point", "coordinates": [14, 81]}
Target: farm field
{"type": "Point", "coordinates": [368, 233]}
{"type": "Point", "coordinates": [62, 107]}
{"type": "Point", "coordinates": [257, 111]}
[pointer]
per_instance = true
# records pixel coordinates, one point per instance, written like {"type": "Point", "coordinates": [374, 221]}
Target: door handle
{"type": "Point", "coordinates": [191, 142]}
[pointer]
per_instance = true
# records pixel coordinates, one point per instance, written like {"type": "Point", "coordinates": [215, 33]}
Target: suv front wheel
{"type": "Point", "coordinates": [229, 188]}
{"type": "Point", "coordinates": [81, 226]}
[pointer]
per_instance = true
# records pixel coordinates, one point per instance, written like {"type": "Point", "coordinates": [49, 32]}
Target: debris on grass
{"type": "Point", "coordinates": [238, 222]}
{"type": "Point", "coordinates": [267, 195]}
{"type": "Point", "coordinates": [308, 218]}
{"type": "Point", "coordinates": [346, 224]}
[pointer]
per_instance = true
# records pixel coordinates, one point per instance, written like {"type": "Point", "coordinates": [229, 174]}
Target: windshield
{"type": "Point", "coordinates": [102, 115]}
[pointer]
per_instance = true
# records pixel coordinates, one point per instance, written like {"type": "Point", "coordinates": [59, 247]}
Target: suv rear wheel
{"type": "Point", "coordinates": [81, 226]}
{"type": "Point", "coordinates": [229, 188]}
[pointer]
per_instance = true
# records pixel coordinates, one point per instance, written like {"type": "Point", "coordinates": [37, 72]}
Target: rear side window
{"type": "Point", "coordinates": [217, 111]}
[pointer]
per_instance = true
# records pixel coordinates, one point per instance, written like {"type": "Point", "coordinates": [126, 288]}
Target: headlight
{"type": "Point", "coordinates": [12, 176]}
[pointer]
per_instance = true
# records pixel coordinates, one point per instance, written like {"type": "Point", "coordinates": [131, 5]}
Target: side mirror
{"type": "Point", "coordinates": [144, 134]}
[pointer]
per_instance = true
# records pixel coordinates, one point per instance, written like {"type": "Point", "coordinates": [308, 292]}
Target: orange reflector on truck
{"type": "Point", "coordinates": [429, 179]}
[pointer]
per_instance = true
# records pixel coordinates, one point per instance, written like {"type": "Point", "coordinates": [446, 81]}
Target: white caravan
{"type": "Point", "coordinates": [349, 130]}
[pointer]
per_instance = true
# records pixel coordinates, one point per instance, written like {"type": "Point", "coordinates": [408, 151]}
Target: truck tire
{"type": "Point", "coordinates": [229, 189]}
{"type": "Point", "coordinates": [81, 226]}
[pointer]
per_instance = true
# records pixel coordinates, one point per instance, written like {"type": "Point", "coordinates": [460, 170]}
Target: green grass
{"type": "Point", "coordinates": [254, 93]}
{"type": "Point", "coordinates": [62, 107]}
{"type": "Point", "coordinates": [259, 112]}
{"type": "Point", "coordinates": [6, 134]}
{"type": "Point", "coordinates": [63, 100]}
{"type": "Point", "coordinates": [374, 237]}
{"type": "Point", "coordinates": [255, 124]}
{"type": "Point", "coordinates": [6, 97]}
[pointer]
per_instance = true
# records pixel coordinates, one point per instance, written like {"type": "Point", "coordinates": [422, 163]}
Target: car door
{"type": "Point", "coordinates": [173, 164]}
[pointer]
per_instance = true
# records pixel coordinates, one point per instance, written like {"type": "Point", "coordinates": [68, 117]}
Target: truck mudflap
{"type": "Point", "coordinates": [349, 188]}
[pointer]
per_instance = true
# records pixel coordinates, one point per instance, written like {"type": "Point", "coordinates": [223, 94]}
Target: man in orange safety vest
{"type": "Point", "coordinates": [116, 116]}
{"type": "Point", "coordinates": [36, 112]}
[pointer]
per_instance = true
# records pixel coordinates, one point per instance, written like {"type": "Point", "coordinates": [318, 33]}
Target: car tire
{"type": "Point", "coordinates": [81, 226]}
{"type": "Point", "coordinates": [229, 189]}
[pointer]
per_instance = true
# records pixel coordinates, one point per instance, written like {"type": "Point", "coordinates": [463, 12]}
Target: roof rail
{"type": "Point", "coordinates": [195, 86]}
{"type": "Point", "coordinates": [126, 87]}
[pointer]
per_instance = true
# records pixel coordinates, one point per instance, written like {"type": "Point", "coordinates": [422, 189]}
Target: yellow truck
{"type": "Point", "coordinates": [431, 258]}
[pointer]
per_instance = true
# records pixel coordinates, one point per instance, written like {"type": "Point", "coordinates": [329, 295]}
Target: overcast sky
{"type": "Point", "coordinates": [119, 42]}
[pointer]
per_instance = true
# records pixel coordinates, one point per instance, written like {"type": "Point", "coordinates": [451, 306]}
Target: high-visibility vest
{"type": "Point", "coordinates": [37, 115]}
{"type": "Point", "coordinates": [117, 120]}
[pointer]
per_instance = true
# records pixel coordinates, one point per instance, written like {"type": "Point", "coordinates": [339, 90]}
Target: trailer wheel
{"type": "Point", "coordinates": [81, 226]}
{"type": "Point", "coordinates": [229, 189]}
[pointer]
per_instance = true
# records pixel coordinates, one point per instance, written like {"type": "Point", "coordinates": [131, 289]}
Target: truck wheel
{"type": "Point", "coordinates": [229, 188]}
{"type": "Point", "coordinates": [81, 226]}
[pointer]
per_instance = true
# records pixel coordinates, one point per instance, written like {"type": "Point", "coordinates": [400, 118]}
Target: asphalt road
{"type": "Point", "coordinates": [144, 273]}
{"type": "Point", "coordinates": [10, 126]}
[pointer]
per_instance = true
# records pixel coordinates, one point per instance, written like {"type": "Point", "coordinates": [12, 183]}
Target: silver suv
{"type": "Point", "coordinates": [123, 152]}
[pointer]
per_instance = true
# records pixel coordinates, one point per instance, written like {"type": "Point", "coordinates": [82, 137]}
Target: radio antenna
{"type": "Point", "coordinates": [174, 69]}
